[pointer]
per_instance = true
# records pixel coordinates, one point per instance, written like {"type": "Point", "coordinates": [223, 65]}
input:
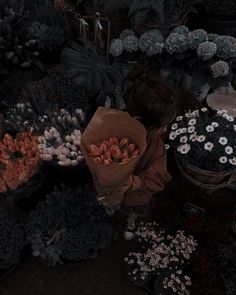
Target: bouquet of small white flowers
{"type": "Point", "coordinates": [60, 141]}
{"type": "Point", "coordinates": [205, 139]}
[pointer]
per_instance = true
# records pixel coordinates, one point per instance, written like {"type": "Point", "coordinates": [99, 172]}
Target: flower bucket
{"type": "Point", "coordinates": [209, 181]}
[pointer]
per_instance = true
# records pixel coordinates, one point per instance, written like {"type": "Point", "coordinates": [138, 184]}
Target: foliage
{"type": "Point", "coordinates": [12, 240]}
{"type": "Point", "coordinates": [206, 140]}
{"type": "Point", "coordinates": [69, 226]}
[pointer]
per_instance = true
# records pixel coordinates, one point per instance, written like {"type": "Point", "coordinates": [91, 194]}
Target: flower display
{"type": "Point", "coordinates": [151, 42]}
{"type": "Point", "coordinates": [220, 69]}
{"type": "Point", "coordinates": [116, 47]}
{"type": "Point", "coordinates": [176, 43]}
{"type": "Point", "coordinates": [114, 151]}
{"type": "Point", "coordinates": [183, 30]}
{"type": "Point", "coordinates": [197, 37]}
{"type": "Point", "coordinates": [162, 256]}
{"type": "Point", "coordinates": [130, 43]}
{"type": "Point", "coordinates": [19, 160]}
{"type": "Point", "coordinates": [226, 47]}
{"type": "Point", "coordinates": [60, 140]}
{"type": "Point", "coordinates": [206, 50]}
{"type": "Point", "coordinates": [126, 33]}
{"type": "Point", "coordinates": [210, 144]}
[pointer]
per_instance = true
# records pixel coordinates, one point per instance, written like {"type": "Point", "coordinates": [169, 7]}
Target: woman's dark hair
{"type": "Point", "coordinates": [152, 99]}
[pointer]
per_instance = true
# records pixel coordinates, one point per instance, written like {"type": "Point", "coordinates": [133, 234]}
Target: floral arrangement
{"type": "Point", "coordinates": [19, 160]}
{"type": "Point", "coordinates": [161, 257]}
{"type": "Point", "coordinates": [12, 240]}
{"type": "Point", "coordinates": [68, 226]}
{"type": "Point", "coordinates": [60, 141]}
{"type": "Point", "coordinates": [113, 151]}
{"type": "Point", "coordinates": [205, 139]}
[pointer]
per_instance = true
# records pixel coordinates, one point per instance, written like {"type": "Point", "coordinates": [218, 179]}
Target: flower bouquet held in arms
{"type": "Point", "coordinates": [112, 144]}
{"type": "Point", "coordinates": [19, 163]}
{"type": "Point", "coordinates": [205, 147]}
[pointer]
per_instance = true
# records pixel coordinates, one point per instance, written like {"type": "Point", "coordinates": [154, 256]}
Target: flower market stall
{"type": "Point", "coordinates": [70, 148]}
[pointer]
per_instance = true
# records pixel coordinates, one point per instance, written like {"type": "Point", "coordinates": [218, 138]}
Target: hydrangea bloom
{"type": "Point", "coordinates": [183, 30]}
{"type": "Point", "coordinates": [206, 50]}
{"type": "Point", "coordinates": [151, 42]}
{"type": "Point", "coordinates": [226, 47]}
{"type": "Point", "coordinates": [176, 43]}
{"type": "Point", "coordinates": [130, 43]}
{"type": "Point", "coordinates": [212, 37]}
{"type": "Point", "coordinates": [126, 33]}
{"type": "Point", "coordinates": [220, 69]}
{"type": "Point", "coordinates": [116, 47]}
{"type": "Point", "coordinates": [197, 37]}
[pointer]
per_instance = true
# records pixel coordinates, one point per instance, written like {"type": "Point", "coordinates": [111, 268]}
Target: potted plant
{"type": "Point", "coordinates": [159, 264]}
{"type": "Point", "coordinates": [204, 145]}
{"type": "Point", "coordinates": [68, 226]}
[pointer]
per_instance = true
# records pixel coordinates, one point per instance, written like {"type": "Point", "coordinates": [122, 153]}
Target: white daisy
{"type": "Point", "coordinates": [209, 128]}
{"type": "Point", "coordinates": [183, 130]}
{"type": "Point", "coordinates": [191, 129]}
{"type": "Point", "coordinates": [221, 112]}
{"type": "Point", "coordinates": [230, 119]}
{"type": "Point", "coordinates": [208, 146]}
{"type": "Point", "coordinates": [183, 139]}
{"type": "Point", "coordinates": [172, 135]}
{"type": "Point", "coordinates": [192, 122]}
{"type": "Point", "coordinates": [223, 160]}
{"type": "Point", "coordinates": [195, 113]}
{"type": "Point", "coordinates": [215, 124]}
{"type": "Point", "coordinates": [233, 161]}
{"type": "Point", "coordinates": [223, 140]}
{"type": "Point", "coordinates": [167, 146]}
{"type": "Point", "coordinates": [184, 148]}
{"type": "Point", "coordinates": [204, 109]}
{"type": "Point", "coordinates": [178, 131]}
{"type": "Point", "coordinates": [228, 150]}
{"type": "Point", "coordinates": [188, 115]}
{"type": "Point", "coordinates": [201, 138]}
{"type": "Point", "coordinates": [179, 118]}
{"type": "Point", "coordinates": [193, 137]}
{"type": "Point", "coordinates": [174, 126]}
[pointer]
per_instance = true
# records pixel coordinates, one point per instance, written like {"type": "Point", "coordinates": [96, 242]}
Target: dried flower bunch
{"type": "Point", "coordinates": [205, 139]}
{"type": "Point", "coordinates": [69, 225]}
{"type": "Point", "coordinates": [162, 257]}
{"type": "Point", "coordinates": [12, 240]}
{"type": "Point", "coordinates": [19, 160]}
{"type": "Point", "coordinates": [114, 150]}
{"type": "Point", "coordinates": [61, 138]}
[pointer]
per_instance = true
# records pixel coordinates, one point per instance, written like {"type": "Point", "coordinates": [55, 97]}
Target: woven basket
{"type": "Point", "coordinates": [209, 181]}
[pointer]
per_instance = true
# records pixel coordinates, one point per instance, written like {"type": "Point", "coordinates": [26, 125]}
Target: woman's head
{"type": "Point", "coordinates": [151, 99]}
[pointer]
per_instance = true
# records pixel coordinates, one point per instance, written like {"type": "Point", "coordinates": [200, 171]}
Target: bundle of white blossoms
{"type": "Point", "coordinates": [61, 142]}
{"type": "Point", "coordinates": [161, 257]}
{"type": "Point", "coordinates": [205, 139]}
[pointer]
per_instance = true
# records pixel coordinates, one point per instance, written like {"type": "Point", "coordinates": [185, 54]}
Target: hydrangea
{"type": "Point", "coordinates": [130, 43]}
{"type": "Point", "coordinates": [126, 33]}
{"type": "Point", "coordinates": [176, 43]}
{"type": "Point", "coordinates": [151, 42]}
{"type": "Point", "coordinates": [206, 50]}
{"type": "Point", "coordinates": [226, 47]}
{"type": "Point", "coordinates": [220, 69]}
{"type": "Point", "coordinates": [197, 37]}
{"type": "Point", "coordinates": [181, 30]}
{"type": "Point", "coordinates": [212, 37]}
{"type": "Point", "coordinates": [116, 47]}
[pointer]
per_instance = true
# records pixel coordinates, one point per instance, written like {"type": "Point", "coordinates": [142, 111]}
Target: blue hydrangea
{"type": "Point", "coordinates": [220, 69]}
{"type": "Point", "coordinates": [226, 47]}
{"type": "Point", "coordinates": [176, 43]}
{"type": "Point", "coordinates": [126, 33]}
{"type": "Point", "coordinates": [181, 30]}
{"type": "Point", "coordinates": [151, 42]}
{"type": "Point", "coordinates": [116, 47]}
{"type": "Point", "coordinates": [197, 37]}
{"type": "Point", "coordinates": [206, 50]}
{"type": "Point", "coordinates": [131, 43]}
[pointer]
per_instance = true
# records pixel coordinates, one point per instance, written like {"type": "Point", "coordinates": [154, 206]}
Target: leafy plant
{"type": "Point", "coordinates": [87, 65]}
{"type": "Point", "coordinates": [69, 225]}
{"type": "Point", "coordinates": [12, 240]}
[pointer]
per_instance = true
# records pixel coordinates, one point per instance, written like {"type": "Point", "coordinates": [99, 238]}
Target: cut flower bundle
{"type": "Point", "coordinates": [205, 139]}
{"type": "Point", "coordinates": [113, 150]}
{"type": "Point", "coordinates": [19, 160]}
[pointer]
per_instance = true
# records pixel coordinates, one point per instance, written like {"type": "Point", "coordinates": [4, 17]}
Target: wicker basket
{"type": "Point", "coordinates": [209, 181]}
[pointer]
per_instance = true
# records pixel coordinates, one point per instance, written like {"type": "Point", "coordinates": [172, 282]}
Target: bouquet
{"type": "Point", "coordinates": [114, 151]}
{"type": "Point", "coordinates": [60, 141]}
{"type": "Point", "coordinates": [205, 139]}
{"type": "Point", "coordinates": [111, 123]}
{"type": "Point", "coordinates": [162, 256]}
{"type": "Point", "coordinates": [19, 160]}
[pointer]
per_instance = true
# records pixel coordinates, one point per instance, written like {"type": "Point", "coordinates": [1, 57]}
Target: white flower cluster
{"type": "Point", "coordinates": [198, 131]}
{"type": "Point", "coordinates": [62, 142]}
{"type": "Point", "coordinates": [177, 283]}
{"type": "Point", "coordinates": [163, 251]}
